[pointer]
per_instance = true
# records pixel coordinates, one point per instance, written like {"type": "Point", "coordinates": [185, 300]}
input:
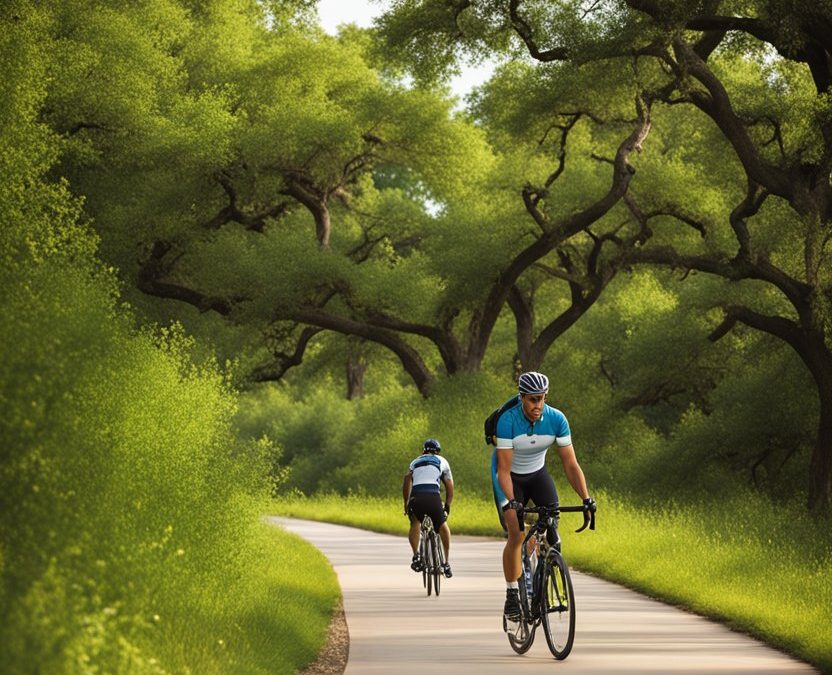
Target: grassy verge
{"type": "Point", "coordinates": [766, 573]}
{"type": "Point", "coordinates": [274, 622]}
{"type": "Point", "coordinates": [266, 611]}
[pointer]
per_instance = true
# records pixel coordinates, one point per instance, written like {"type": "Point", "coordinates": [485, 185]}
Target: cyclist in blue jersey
{"type": "Point", "coordinates": [518, 470]}
{"type": "Point", "coordinates": [420, 490]}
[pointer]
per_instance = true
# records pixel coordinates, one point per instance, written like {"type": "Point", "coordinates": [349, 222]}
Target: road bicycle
{"type": "Point", "coordinates": [433, 556]}
{"type": "Point", "coordinates": [546, 596]}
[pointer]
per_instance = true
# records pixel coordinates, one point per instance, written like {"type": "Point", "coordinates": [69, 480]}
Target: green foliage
{"type": "Point", "coordinates": [124, 126]}
{"type": "Point", "coordinates": [655, 408]}
{"type": "Point", "coordinates": [333, 444]}
{"type": "Point", "coordinates": [130, 538]}
{"type": "Point", "coordinates": [129, 511]}
{"type": "Point", "coordinates": [39, 217]}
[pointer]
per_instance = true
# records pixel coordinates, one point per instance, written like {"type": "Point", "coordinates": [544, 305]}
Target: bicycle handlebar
{"type": "Point", "coordinates": [555, 510]}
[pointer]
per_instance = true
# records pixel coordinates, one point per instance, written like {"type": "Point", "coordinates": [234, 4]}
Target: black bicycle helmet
{"type": "Point", "coordinates": [432, 445]}
{"type": "Point", "coordinates": [533, 383]}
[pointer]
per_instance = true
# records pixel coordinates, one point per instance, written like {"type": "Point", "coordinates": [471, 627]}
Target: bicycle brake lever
{"type": "Point", "coordinates": [590, 522]}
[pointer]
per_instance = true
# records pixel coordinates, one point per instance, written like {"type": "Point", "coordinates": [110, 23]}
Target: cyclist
{"type": "Point", "coordinates": [518, 471]}
{"type": "Point", "coordinates": [420, 490]}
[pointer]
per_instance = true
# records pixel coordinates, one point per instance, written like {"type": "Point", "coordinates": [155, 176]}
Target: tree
{"type": "Point", "coordinates": [237, 154]}
{"type": "Point", "coordinates": [760, 73]}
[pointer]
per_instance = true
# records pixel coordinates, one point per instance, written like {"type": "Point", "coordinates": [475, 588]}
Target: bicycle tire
{"type": "Point", "coordinates": [428, 562]}
{"type": "Point", "coordinates": [521, 641]}
{"type": "Point", "coordinates": [437, 569]}
{"type": "Point", "coordinates": [422, 553]}
{"type": "Point", "coordinates": [557, 606]}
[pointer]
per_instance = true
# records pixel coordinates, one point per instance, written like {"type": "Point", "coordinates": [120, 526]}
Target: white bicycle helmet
{"type": "Point", "coordinates": [533, 383]}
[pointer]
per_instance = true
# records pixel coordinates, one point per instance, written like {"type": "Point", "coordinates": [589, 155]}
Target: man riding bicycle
{"type": "Point", "coordinates": [420, 490]}
{"type": "Point", "coordinates": [524, 433]}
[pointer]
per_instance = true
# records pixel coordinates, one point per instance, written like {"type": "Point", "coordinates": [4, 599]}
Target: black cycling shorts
{"type": "Point", "coordinates": [427, 503]}
{"type": "Point", "coordinates": [537, 487]}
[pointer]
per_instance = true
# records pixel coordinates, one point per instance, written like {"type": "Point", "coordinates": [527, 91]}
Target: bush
{"type": "Point", "coordinates": [129, 511]}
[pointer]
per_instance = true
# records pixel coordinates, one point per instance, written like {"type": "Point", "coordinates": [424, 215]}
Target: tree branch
{"type": "Point", "coordinates": [525, 32]}
{"type": "Point", "coordinates": [301, 189]}
{"type": "Point", "coordinates": [785, 329]}
{"type": "Point", "coordinates": [409, 357]}
{"type": "Point", "coordinates": [554, 235]}
{"type": "Point", "coordinates": [270, 373]}
{"type": "Point", "coordinates": [717, 105]}
{"type": "Point", "coordinates": [150, 282]}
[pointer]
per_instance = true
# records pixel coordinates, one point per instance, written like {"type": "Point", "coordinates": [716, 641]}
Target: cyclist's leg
{"type": "Point", "coordinates": [511, 553]}
{"type": "Point", "coordinates": [445, 535]}
{"type": "Point", "coordinates": [510, 523]}
{"type": "Point", "coordinates": [433, 507]}
{"type": "Point", "coordinates": [512, 564]}
{"type": "Point", "coordinates": [417, 513]}
{"type": "Point", "coordinates": [543, 492]}
{"type": "Point", "coordinates": [413, 534]}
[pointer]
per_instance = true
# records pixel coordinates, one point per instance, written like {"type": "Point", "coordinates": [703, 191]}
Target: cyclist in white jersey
{"type": "Point", "coordinates": [420, 490]}
{"type": "Point", "coordinates": [518, 470]}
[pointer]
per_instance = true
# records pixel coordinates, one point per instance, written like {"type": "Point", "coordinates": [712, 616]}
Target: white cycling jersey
{"type": "Point", "coordinates": [428, 471]}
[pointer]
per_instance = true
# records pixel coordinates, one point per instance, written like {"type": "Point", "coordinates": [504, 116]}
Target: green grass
{"type": "Point", "coordinates": [761, 571]}
{"type": "Point", "coordinates": [275, 621]}
{"type": "Point", "coordinates": [267, 611]}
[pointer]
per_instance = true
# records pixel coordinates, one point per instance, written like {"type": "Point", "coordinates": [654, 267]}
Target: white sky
{"type": "Point", "coordinates": [361, 12]}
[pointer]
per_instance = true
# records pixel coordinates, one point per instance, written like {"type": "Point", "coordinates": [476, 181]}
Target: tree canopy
{"type": "Point", "coordinates": [302, 206]}
{"type": "Point", "coordinates": [745, 89]}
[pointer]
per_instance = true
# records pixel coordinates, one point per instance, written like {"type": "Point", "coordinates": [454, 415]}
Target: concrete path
{"type": "Point", "coordinates": [395, 628]}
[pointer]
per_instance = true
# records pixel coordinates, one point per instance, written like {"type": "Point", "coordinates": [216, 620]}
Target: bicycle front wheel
{"type": "Point", "coordinates": [557, 606]}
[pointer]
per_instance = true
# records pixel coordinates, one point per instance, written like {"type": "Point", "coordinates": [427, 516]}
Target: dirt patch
{"type": "Point", "coordinates": [333, 657]}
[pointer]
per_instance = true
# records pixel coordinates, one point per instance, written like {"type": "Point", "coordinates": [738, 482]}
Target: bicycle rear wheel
{"type": "Point", "coordinates": [557, 606]}
{"type": "Point", "coordinates": [522, 637]}
{"type": "Point", "coordinates": [437, 569]}
{"type": "Point", "coordinates": [428, 563]}
{"type": "Point", "coordinates": [423, 553]}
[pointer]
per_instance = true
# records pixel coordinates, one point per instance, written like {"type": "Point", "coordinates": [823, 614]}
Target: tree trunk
{"type": "Point", "coordinates": [356, 367]}
{"type": "Point", "coordinates": [820, 467]}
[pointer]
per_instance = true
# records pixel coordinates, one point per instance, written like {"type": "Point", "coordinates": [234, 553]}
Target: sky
{"type": "Point", "coordinates": [361, 12]}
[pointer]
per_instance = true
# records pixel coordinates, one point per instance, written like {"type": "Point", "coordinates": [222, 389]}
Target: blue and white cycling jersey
{"type": "Point", "coordinates": [428, 470]}
{"type": "Point", "coordinates": [531, 441]}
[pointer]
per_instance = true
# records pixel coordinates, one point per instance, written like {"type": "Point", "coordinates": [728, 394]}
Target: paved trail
{"type": "Point", "coordinates": [395, 628]}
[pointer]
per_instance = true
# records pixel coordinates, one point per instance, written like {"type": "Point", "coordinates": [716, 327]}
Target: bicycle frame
{"type": "Point", "coordinates": [543, 529]}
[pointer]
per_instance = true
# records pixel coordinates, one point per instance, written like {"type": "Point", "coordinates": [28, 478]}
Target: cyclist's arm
{"type": "Point", "coordinates": [449, 490]}
{"type": "Point", "coordinates": [504, 457]}
{"type": "Point", "coordinates": [407, 483]}
{"type": "Point", "coordinates": [573, 471]}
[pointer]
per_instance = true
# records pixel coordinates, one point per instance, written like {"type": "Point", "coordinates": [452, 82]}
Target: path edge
{"type": "Point", "coordinates": [332, 659]}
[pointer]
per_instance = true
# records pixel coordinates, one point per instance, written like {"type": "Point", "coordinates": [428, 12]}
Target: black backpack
{"type": "Point", "coordinates": [490, 426]}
